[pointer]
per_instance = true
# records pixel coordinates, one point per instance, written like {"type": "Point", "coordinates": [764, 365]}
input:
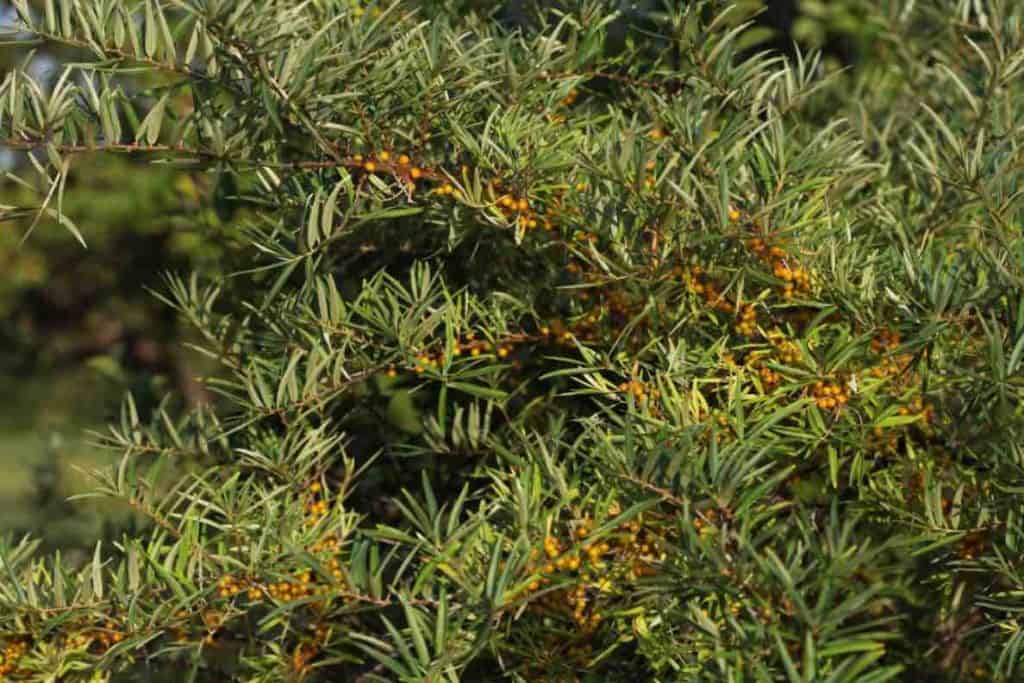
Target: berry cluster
{"type": "Point", "coordinates": [795, 279]}
{"type": "Point", "coordinates": [228, 586]}
{"type": "Point", "coordinates": [788, 352]}
{"type": "Point", "coordinates": [13, 651]}
{"type": "Point", "coordinates": [517, 209]}
{"type": "Point", "coordinates": [301, 585]}
{"type": "Point", "coordinates": [445, 189]}
{"type": "Point", "coordinates": [973, 545]}
{"type": "Point", "coordinates": [559, 118]}
{"type": "Point", "coordinates": [640, 391]}
{"type": "Point", "coordinates": [401, 167]}
{"type": "Point", "coordinates": [784, 351]}
{"type": "Point", "coordinates": [316, 510]}
{"type": "Point", "coordinates": [891, 366]}
{"type": "Point", "coordinates": [706, 522]}
{"type": "Point", "coordinates": [305, 652]}
{"type": "Point", "coordinates": [723, 434]}
{"type": "Point", "coordinates": [700, 283]}
{"type": "Point", "coordinates": [831, 395]}
{"type": "Point", "coordinates": [585, 574]}
{"type": "Point", "coordinates": [108, 636]}
{"type": "Point", "coordinates": [213, 621]}
{"type": "Point", "coordinates": [746, 323]}
{"type": "Point", "coordinates": [358, 11]}
{"type": "Point", "coordinates": [603, 309]}
{"type": "Point", "coordinates": [102, 638]}
{"type": "Point", "coordinates": [926, 411]}
{"type": "Point", "coordinates": [467, 345]}
{"type": "Point", "coordinates": [649, 179]}
{"type": "Point", "coordinates": [769, 378]}
{"type": "Point", "coordinates": [606, 305]}
{"type": "Point", "coordinates": [887, 340]}
{"type": "Point", "coordinates": [569, 99]}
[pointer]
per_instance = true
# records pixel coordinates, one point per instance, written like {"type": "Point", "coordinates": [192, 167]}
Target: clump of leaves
{"type": "Point", "coordinates": [555, 361]}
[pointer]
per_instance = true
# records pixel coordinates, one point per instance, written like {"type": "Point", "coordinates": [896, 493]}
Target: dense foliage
{"type": "Point", "coordinates": [581, 347]}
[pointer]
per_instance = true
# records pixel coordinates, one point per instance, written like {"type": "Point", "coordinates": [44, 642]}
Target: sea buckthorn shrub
{"type": "Point", "coordinates": [586, 348]}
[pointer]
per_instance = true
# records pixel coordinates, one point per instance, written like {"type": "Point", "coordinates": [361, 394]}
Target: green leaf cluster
{"type": "Point", "coordinates": [583, 349]}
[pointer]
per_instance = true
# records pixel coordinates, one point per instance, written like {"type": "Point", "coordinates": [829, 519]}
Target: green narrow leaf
{"type": "Point", "coordinates": [50, 16]}
{"type": "Point", "coordinates": [150, 30]}
{"type": "Point", "coordinates": [723, 196]}
{"type": "Point", "coordinates": [479, 391]}
{"type": "Point", "coordinates": [412, 618]}
{"type": "Point", "coordinates": [65, 17]}
{"type": "Point", "coordinates": [279, 283]}
{"type": "Point", "coordinates": [441, 626]}
{"type": "Point", "coordinates": [97, 571]}
{"type": "Point", "coordinates": [492, 574]}
{"type": "Point", "coordinates": [151, 124]}
{"type": "Point", "coordinates": [193, 43]}
{"type": "Point", "coordinates": [313, 223]}
{"type": "Point", "coordinates": [327, 213]}
{"type": "Point", "coordinates": [787, 661]}
{"type": "Point", "coordinates": [170, 54]}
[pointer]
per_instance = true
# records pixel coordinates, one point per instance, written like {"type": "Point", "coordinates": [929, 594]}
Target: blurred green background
{"type": "Point", "coordinates": [79, 328]}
